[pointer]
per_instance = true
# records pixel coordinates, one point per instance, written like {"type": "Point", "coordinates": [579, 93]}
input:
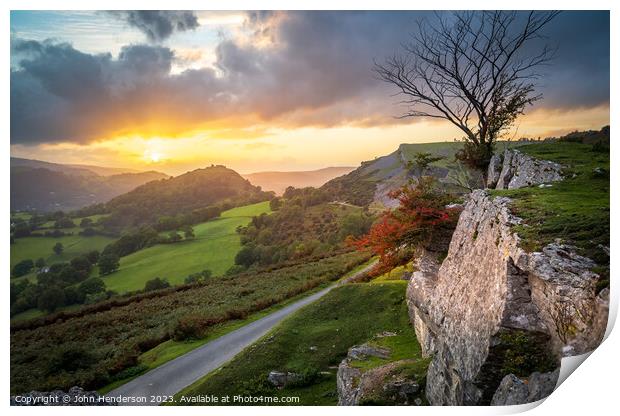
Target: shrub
{"type": "Point", "coordinates": [191, 327]}
{"type": "Point", "coordinates": [421, 220]}
{"type": "Point", "coordinates": [40, 263]}
{"type": "Point", "coordinates": [156, 284]}
{"type": "Point", "coordinates": [51, 299]}
{"type": "Point", "coordinates": [58, 248]}
{"type": "Point", "coordinates": [92, 286]}
{"type": "Point", "coordinates": [93, 256]}
{"type": "Point", "coordinates": [88, 232]}
{"type": "Point", "coordinates": [198, 277]}
{"type": "Point", "coordinates": [23, 268]}
{"type": "Point", "coordinates": [69, 357]}
{"type": "Point", "coordinates": [476, 156]}
{"type": "Point", "coordinates": [64, 223]}
{"type": "Point", "coordinates": [119, 329]}
{"type": "Point", "coordinates": [108, 263]}
{"type": "Point", "coordinates": [86, 222]}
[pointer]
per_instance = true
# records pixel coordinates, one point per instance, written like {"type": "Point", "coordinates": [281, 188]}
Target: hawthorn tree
{"type": "Point", "coordinates": [421, 218]}
{"type": "Point", "coordinates": [474, 69]}
{"type": "Point", "coordinates": [58, 248]}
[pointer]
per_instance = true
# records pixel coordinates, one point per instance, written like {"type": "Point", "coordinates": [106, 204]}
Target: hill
{"type": "Point", "coordinates": [104, 170]}
{"type": "Point", "coordinates": [44, 190]}
{"type": "Point", "coordinates": [26, 164]}
{"type": "Point", "coordinates": [43, 186]}
{"type": "Point", "coordinates": [72, 169]}
{"type": "Point", "coordinates": [373, 180]}
{"type": "Point", "coordinates": [179, 196]}
{"type": "Point", "coordinates": [279, 181]}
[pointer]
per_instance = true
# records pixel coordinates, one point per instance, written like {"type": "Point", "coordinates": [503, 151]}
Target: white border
{"type": "Point", "coordinates": [593, 387]}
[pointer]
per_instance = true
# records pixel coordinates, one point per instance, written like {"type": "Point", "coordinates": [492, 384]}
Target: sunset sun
{"type": "Point", "coordinates": [309, 207]}
{"type": "Point", "coordinates": [153, 156]}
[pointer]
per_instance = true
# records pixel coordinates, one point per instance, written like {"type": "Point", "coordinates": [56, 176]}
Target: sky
{"type": "Point", "coordinates": [179, 90]}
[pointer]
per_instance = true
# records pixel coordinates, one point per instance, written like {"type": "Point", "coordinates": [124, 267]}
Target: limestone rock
{"type": "Point", "coordinates": [380, 385]}
{"type": "Point", "coordinates": [280, 379]}
{"type": "Point", "coordinates": [513, 391]}
{"type": "Point", "coordinates": [348, 384]}
{"type": "Point", "coordinates": [514, 170]}
{"type": "Point", "coordinates": [491, 308]}
{"type": "Point", "coordinates": [384, 384]}
{"type": "Point", "coordinates": [494, 170]}
{"type": "Point", "coordinates": [361, 352]}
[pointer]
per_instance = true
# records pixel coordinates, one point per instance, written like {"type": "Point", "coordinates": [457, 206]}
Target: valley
{"type": "Point", "coordinates": [309, 208]}
{"type": "Point", "coordinates": [242, 266]}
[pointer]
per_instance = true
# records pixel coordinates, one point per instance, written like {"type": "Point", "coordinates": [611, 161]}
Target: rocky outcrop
{"type": "Point", "coordinates": [513, 390]}
{"type": "Point", "coordinates": [390, 383]}
{"type": "Point", "coordinates": [76, 396]}
{"type": "Point", "coordinates": [280, 379]}
{"type": "Point", "coordinates": [513, 169]}
{"type": "Point", "coordinates": [492, 309]}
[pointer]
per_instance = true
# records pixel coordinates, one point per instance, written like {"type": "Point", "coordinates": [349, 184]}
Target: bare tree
{"type": "Point", "coordinates": [472, 69]}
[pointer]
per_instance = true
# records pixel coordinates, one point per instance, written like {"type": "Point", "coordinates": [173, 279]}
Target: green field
{"type": "Point", "coordinates": [74, 245]}
{"type": "Point", "coordinates": [347, 316]}
{"type": "Point", "coordinates": [214, 248]}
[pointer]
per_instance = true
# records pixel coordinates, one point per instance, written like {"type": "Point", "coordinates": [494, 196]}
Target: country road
{"type": "Point", "coordinates": [171, 377]}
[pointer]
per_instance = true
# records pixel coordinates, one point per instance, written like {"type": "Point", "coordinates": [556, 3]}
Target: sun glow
{"type": "Point", "coordinates": [153, 156]}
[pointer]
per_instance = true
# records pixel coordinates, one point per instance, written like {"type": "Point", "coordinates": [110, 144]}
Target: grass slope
{"type": "Point", "coordinates": [348, 315]}
{"type": "Point", "coordinates": [214, 248]}
{"type": "Point", "coordinates": [575, 210]}
{"type": "Point", "coordinates": [74, 245]}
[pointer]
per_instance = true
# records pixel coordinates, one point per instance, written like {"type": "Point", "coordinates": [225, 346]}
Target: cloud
{"type": "Point", "coordinates": [260, 146]}
{"type": "Point", "coordinates": [158, 25]}
{"type": "Point", "coordinates": [303, 69]}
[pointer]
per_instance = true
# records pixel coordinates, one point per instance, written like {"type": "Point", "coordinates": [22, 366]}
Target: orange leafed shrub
{"type": "Point", "coordinates": [420, 218]}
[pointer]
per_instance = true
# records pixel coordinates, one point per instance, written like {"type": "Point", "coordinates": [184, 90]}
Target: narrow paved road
{"type": "Point", "coordinates": [171, 377]}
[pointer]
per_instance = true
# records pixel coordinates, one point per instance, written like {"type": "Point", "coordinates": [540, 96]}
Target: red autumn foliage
{"type": "Point", "coordinates": [421, 216]}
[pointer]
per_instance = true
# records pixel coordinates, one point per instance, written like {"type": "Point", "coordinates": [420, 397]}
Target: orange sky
{"type": "Point", "coordinates": [251, 90]}
{"type": "Point", "coordinates": [289, 149]}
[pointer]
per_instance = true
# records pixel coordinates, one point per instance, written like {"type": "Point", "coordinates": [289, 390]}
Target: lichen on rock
{"type": "Point", "coordinates": [514, 390]}
{"type": "Point", "coordinates": [513, 170]}
{"type": "Point", "coordinates": [491, 308]}
{"type": "Point", "coordinates": [398, 382]}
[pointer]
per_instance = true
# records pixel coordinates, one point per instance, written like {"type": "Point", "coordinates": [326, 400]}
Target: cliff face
{"type": "Point", "coordinates": [492, 313]}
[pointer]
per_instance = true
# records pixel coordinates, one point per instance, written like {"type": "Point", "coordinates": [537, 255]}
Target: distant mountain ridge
{"type": "Point", "coordinates": [72, 169]}
{"type": "Point", "coordinates": [45, 186]}
{"type": "Point", "coordinates": [279, 181]}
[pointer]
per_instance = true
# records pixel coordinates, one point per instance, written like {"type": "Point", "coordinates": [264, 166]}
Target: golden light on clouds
{"type": "Point", "coordinates": [268, 147]}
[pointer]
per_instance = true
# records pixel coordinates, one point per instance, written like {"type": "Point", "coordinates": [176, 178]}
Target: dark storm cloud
{"type": "Point", "coordinates": [311, 68]}
{"type": "Point", "coordinates": [579, 74]}
{"type": "Point", "coordinates": [158, 25]}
